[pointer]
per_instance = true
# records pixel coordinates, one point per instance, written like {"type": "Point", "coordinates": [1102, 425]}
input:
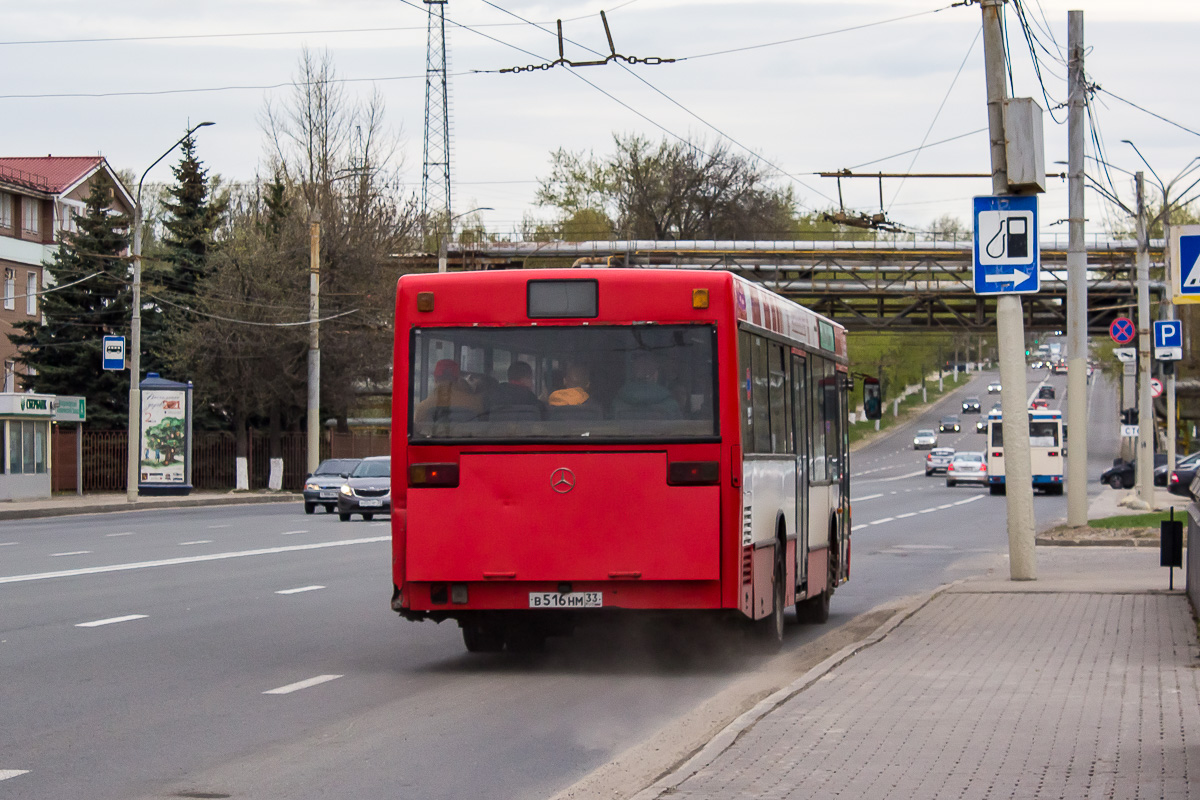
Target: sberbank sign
{"type": "Point", "coordinates": [35, 404]}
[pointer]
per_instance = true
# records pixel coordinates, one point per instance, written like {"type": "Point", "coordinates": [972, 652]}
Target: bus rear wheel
{"type": "Point", "coordinates": [483, 638]}
{"type": "Point", "coordinates": [996, 488]}
{"type": "Point", "coordinates": [769, 630]}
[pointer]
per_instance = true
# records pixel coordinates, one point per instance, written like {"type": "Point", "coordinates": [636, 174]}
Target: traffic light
{"type": "Point", "coordinates": [1129, 416]}
{"type": "Point", "coordinates": [1026, 352]}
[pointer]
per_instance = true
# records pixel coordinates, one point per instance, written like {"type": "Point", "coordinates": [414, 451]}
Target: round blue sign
{"type": "Point", "coordinates": [1122, 330]}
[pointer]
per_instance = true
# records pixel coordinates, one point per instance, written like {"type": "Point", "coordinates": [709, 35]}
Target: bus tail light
{"type": "Point", "coordinates": [693, 473]}
{"type": "Point", "coordinates": [1052, 453]}
{"type": "Point", "coordinates": [445, 475]}
{"type": "Point", "coordinates": [996, 454]}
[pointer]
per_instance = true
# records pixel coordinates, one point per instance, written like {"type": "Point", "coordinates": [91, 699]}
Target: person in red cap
{"type": "Point", "coordinates": [450, 398]}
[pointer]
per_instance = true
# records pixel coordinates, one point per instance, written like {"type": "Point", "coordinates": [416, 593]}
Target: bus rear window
{"type": "Point", "coordinates": [555, 383]}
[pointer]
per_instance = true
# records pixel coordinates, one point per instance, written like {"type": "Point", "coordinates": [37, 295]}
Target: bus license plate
{"type": "Point", "coordinates": [568, 600]}
{"type": "Point", "coordinates": [370, 503]}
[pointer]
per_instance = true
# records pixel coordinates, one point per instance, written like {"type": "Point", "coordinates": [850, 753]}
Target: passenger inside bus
{"type": "Point", "coordinates": [575, 388]}
{"type": "Point", "coordinates": [451, 398]}
{"type": "Point", "coordinates": [515, 400]}
{"type": "Point", "coordinates": [642, 396]}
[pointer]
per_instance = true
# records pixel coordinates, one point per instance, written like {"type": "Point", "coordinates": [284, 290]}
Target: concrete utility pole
{"type": "Point", "coordinates": [314, 342]}
{"type": "Point", "coordinates": [1077, 343]}
{"type": "Point", "coordinates": [1144, 464]}
{"type": "Point", "coordinates": [1010, 328]}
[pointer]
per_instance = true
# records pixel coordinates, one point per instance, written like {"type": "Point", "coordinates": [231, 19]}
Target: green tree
{"type": "Point", "coordinates": [91, 299]}
{"type": "Point", "coordinates": [669, 190]}
{"type": "Point", "coordinates": [194, 210]}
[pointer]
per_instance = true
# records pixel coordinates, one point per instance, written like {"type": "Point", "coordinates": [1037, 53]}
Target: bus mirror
{"type": "Point", "coordinates": [872, 398]}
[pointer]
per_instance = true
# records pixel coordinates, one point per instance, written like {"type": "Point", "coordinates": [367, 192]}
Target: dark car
{"type": "Point", "coordinates": [1046, 392]}
{"type": "Point", "coordinates": [949, 424]}
{"type": "Point", "coordinates": [1186, 462]}
{"type": "Point", "coordinates": [1180, 480]}
{"type": "Point", "coordinates": [1123, 474]}
{"type": "Point", "coordinates": [981, 425]}
{"type": "Point", "coordinates": [321, 487]}
{"type": "Point", "coordinates": [970, 405]}
{"type": "Point", "coordinates": [368, 490]}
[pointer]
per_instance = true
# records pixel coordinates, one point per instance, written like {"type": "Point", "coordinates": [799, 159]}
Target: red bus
{"type": "Point", "coordinates": [571, 441]}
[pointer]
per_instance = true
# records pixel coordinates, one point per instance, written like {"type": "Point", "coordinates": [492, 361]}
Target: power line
{"type": "Point", "coordinates": [816, 35]}
{"type": "Point", "coordinates": [251, 322]}
{"type": "Point", "coordinates": [249, 34]}
{"type": "Point", "coordinates": [157, 92]}
{"type": "Point", "coordinates": [938, 113]}
{"type": "Point", "coordinates": [687, 110]}
{"type": "Point", "coordinates": [1146, 110]}
{"type": "Point", "coordinates": [918, 149]}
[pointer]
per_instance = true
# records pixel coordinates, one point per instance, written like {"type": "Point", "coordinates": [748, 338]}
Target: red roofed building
{"type": "Point", "coordinates": [37, 196]}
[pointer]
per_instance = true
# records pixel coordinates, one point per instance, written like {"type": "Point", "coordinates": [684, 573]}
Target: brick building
{"type": "Point", "coordinates": [37, 196]}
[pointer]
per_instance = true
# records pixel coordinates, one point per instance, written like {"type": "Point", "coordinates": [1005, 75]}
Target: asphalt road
{"type": "Point", "coordinates": [250, 651]}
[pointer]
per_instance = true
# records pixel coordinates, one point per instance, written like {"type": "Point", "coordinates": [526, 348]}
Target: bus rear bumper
{"type": "Point", "coordinates": [439, 600]}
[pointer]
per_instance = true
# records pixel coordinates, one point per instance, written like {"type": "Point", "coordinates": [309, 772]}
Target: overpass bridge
{"type": "Point", "coordinates": [900, 283]}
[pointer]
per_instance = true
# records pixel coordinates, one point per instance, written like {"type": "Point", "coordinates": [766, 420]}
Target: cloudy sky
{"type": "Point", "coordinates": [861, 81]}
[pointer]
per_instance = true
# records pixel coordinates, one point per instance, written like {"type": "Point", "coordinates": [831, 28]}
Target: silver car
{"type": "Point", "coordinates": [925, 440]}
{"type": "Point", "coordinates": [938, 460]}
{"type": "Point", "coordinates": [967, 468]}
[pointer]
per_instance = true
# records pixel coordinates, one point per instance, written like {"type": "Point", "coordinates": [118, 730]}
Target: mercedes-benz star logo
{"type": "Point", "coordinates": [562, 480]}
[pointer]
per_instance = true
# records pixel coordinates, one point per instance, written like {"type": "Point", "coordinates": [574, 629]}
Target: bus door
{"type": "Point", "coordinates": [843, 435]}
{"type": "Point", "coordinates": [799, 421]}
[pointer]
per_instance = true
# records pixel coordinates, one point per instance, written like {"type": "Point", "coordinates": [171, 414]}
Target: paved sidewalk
{"type": "Point", "coordinates": [1083, 684]}
{"type": "Point", "coordinates": [68, 504]}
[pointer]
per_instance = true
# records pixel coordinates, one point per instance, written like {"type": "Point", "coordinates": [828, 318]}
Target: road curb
{"type": "Point", "coordinates": [112, 508]}
{"type": "Point", "coordinates": [732, 732]}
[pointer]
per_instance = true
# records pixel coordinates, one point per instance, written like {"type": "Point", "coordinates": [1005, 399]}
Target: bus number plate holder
{"type": "Point", "coordinates": [568, 600]}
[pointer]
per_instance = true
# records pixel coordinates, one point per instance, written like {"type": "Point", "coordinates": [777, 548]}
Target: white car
{"type": "Point", "coordinates": [967, 468]}
{"type": "Point", "coordinates": [994, 387]}
{"type": "Point", "coordinates": [925, 440]}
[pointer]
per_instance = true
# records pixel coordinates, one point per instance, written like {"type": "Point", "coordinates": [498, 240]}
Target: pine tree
{"type": "Point", "coordinates": [89, 299]}
{"type": "Point", "coordinates": [193, 216]}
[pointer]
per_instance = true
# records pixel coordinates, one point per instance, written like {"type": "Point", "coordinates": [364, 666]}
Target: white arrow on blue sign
{"type": "Point", "coordinates": [1007, 251]}
{"type": "Point", "coordinates": [1168, 340]}
{"type": "Point", "coordinates": [113, 356]}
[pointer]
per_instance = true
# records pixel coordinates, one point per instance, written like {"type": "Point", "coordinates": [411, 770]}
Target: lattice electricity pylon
{"type": "Point", "coordinates": [435, 178]}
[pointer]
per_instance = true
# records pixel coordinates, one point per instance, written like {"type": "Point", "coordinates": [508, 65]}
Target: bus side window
{"type": "Point", "coordinates": [777, 378]}
{"type": "Point", "coordinates": [760, 398]}
{"type": "Point", "coordinates": [745, 389]}
{"type": "Point", "coordinates": [818, 434]}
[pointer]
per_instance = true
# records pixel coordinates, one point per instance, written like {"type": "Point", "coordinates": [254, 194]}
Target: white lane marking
{"type": "Point", "coordinates": [289, 533]}
{"type": "Point", "coordinates": [71, 553]}
{"type": "Point", "coordinates": [110, 621]}
{"type": "Point", "coordinates": [861, 499]}
{"type": "Point", "coordinates": [881, 521]}
{"type": "Point", "coordinates": [927, 510]}
{"type": "Point", "coordinates": [214, 527]}
{"type": "Point", "coordinates": [922, 547]}
{"type": "Point", "coordinates": [969, 500]}
{"type": "Point", "coordinates": [902, 477]}
{"type": "Point", "coordinates": [198, 541]}
{"type": "Point", "coordinates": [295, 687]}
{"type": "Point", "coordinates": [123, 533]}
{"type": "Point", "coordinates": [857, 527]}
{"type": "Point", "coordinates": [906, 516]}
{"type": "Point", "coordinates": [6, 544]}
{"type": "Point", "coordinates": [944, 506]}
{"type": "Point", "coordinates": [5, 774]}
{"type": "Point", "coordinates": [299, 590]}
{"type": "Point", "coordinates": [168, 562]}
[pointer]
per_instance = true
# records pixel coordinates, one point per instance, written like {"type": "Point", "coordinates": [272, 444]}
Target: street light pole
{"type": "Point", "coordinates": [135, 331]}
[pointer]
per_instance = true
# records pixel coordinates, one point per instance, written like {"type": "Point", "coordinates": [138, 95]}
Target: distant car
{"type": "Point", "coordinates": [1180, 481]}
{"type": "Point", "coordinates": [970, 405]}
{"type": "Point", "coordinates": [1037, 364]}
{"type": "Point", "coordinates": [1038, 403]}
{"type": "Point", "coordinates": [967, 468]}
{"type": "Point", "coordinates": [997, 407]}
{"type": "Point", "coordinates": [1046, 392]}
{"type": "Point", "coordinates": [925, 440]}
{"type": "Point", "coordinates": [938, 459]}
{"type": "Point", "coordinates": [949, 424]}
{"type": "Point", "coordinates": [994, 387]}
{"type": "Point", "coordinates": [1160, 473]}
{"type": "Point", "coordinates": [1060, 368]}
{"type": "Point", "coordinates": [321, 487]}
{"type": "Point", "coordinates": [1123, 474]}
{"type": "Point", "coordinates": [981, 425]}
{"type": "Point", "coordinates": [368, 490]}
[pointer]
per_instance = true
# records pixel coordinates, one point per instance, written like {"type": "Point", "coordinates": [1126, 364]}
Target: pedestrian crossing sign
{"type": "Point", "coordinates": [1185, 263]}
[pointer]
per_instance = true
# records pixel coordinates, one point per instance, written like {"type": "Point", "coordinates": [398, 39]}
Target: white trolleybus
{"type": "Point", "coordinates": [1047, 446]}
